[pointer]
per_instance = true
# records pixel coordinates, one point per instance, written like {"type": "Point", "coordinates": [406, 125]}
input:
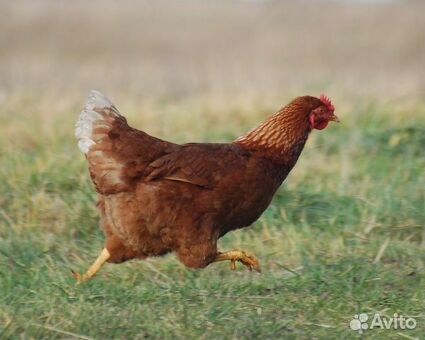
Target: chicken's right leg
{"type": "Point", "coordinates": [95, 267]}
{"type": "Point", "coordinates": [237, 255]}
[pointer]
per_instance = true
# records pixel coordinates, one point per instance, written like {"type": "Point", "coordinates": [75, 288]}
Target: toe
{"type": "Point", "coordinates": [253, 263]}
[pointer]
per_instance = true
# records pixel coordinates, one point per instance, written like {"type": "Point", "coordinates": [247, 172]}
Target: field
{"type": "Point", "coordinates": [344, 235]}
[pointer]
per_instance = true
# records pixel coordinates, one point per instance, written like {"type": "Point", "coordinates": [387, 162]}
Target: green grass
{"type": "Point", "coordinates": [344, 235]}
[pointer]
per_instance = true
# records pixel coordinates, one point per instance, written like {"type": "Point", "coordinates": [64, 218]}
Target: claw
{"type": "Point", "coordinates": [77, 276]}
{"type": "Point", "coordinates": [251, 262]}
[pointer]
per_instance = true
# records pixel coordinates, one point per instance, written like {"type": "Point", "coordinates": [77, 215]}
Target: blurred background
{"type": "Point", "coordinates": [185, 48]}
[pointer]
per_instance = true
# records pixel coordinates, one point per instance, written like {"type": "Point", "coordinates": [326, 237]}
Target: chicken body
{"type": "Point", "coordinates": [157, 197]}
{"type": "Point", "coordinates": [187, 216]}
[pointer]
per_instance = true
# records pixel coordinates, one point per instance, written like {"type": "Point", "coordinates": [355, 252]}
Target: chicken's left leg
{"type": "Point", "coordinates": [237, 255]}
{"type": "Point", "coordinates": [100, 261]}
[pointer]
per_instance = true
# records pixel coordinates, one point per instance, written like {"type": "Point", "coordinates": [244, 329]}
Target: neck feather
{"type": "Point", "coordinates": [281, 137]}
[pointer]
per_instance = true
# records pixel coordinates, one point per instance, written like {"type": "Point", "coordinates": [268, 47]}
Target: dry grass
{"type": "Point", "coordinates": [191, 48]}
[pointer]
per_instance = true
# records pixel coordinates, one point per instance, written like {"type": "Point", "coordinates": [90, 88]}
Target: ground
{"type": "Point", "coordinates": [344, 235]}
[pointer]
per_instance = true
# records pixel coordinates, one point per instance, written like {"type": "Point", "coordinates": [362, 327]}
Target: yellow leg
{"type": "Point", "coordinates": [237, 255]}
{"type": "Point", "coordinates": [95, 267]}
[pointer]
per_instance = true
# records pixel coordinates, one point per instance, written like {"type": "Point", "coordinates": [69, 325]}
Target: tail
{"type": "Point", "coordinates": [98, 110]}
{"type": "Point", "coordinates": [116, 153]}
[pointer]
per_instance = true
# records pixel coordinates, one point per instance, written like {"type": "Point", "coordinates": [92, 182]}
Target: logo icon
{"type": "Point", "coordinates": [359, 323]}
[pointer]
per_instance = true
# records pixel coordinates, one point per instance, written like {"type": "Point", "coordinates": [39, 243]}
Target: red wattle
{"type": "Point", "coordinates": [317, 126]}
{"type": "Point", "coordinates": [321, 126]}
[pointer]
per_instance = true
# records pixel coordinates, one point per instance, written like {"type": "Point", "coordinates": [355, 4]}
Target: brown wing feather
{"type": "Point", "coordinates": [198, 164]}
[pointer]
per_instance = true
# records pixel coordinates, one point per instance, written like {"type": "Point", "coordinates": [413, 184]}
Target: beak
{"type": "Point", "coordinates": [334, 118]}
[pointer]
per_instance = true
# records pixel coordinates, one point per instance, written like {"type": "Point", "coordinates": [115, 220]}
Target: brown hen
{"type": "Point", "coordinates": [157, 197]}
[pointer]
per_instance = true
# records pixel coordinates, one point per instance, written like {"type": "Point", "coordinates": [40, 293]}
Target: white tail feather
{"type": "Point", "coordinates": [84, 126]}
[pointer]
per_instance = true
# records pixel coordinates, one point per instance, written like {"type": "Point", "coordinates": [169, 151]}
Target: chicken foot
{"type": "Point", "coordinates": [237, 255]}
{"type": "Point", "coordinates": [95, 267]}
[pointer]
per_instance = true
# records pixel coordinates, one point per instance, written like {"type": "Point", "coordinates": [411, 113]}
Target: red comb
{"type": "Point", "coordinates": [327, 102]}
